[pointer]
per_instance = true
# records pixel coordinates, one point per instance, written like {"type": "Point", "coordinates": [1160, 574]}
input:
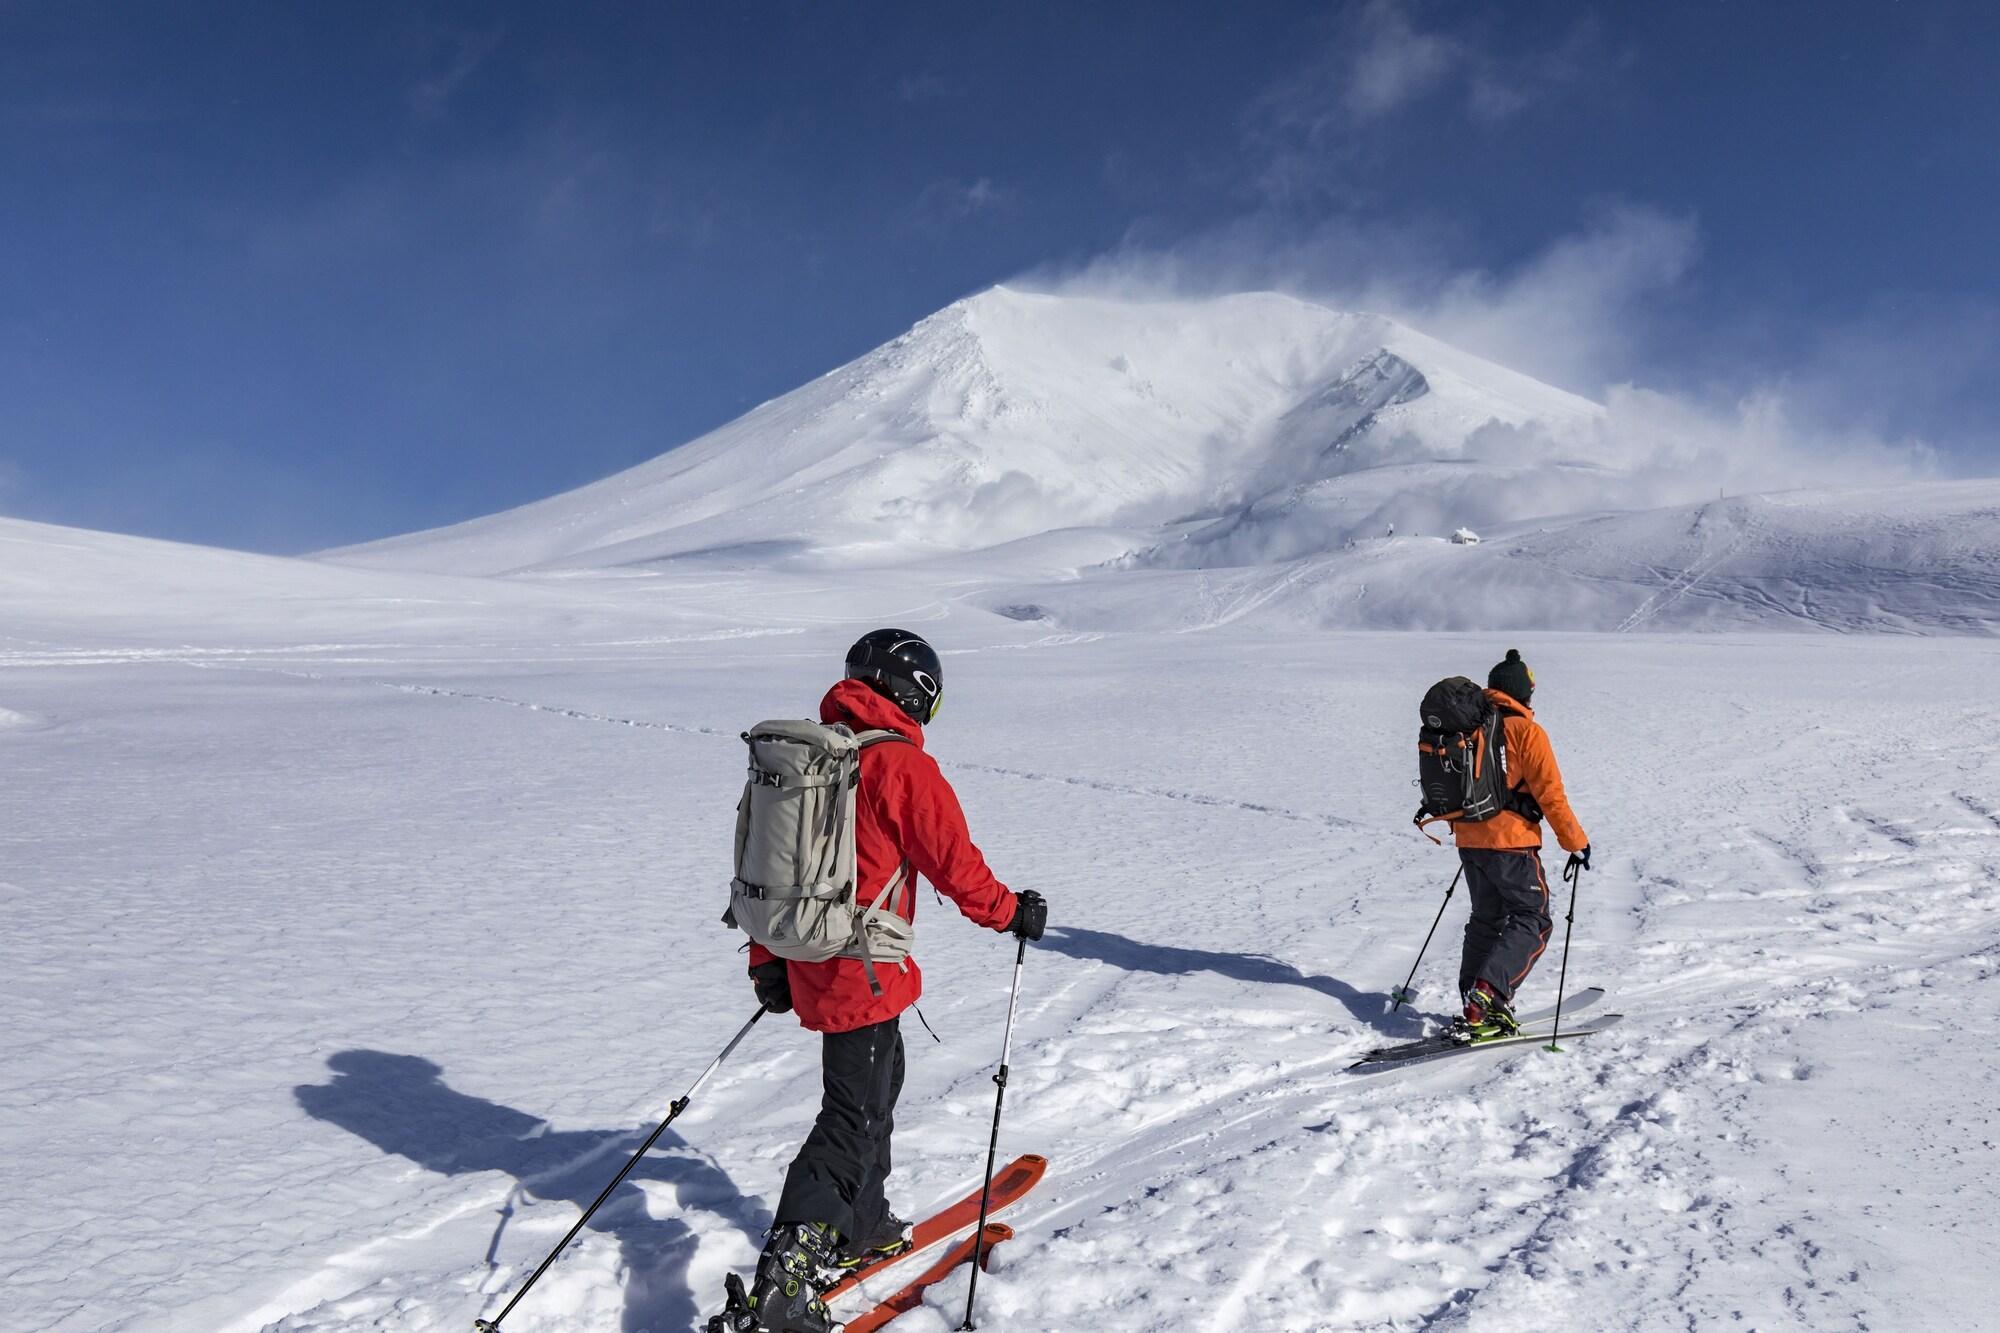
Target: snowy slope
{"type": "Point", "coordinates": [343, 966]}
{"type": "Point", "coordinates": [1918, 558]}
{"type": "Point", "coordinates": [1103, 464]}
{"type": "Point", "coordinates": [73, 584]}
{"type": "Point", "coordinates": [1010, 414]}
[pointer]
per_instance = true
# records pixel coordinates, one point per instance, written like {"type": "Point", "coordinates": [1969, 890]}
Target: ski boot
{"type": "Point", "coordinates": [1486, 1016]}
{"type": "Point", "coordinates": [890, 1238]}
{"type": "Point", "coordinates": [784, 1296]}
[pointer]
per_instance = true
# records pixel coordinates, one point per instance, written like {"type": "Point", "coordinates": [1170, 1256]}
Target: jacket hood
{"type": "Point", "coordinates": [1502, 699]}
{"type": "Point", "coordinates": [856, 703]}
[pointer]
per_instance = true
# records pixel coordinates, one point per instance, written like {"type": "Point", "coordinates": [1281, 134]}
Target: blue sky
{"type": "Point", "coordinates": [283, 275]}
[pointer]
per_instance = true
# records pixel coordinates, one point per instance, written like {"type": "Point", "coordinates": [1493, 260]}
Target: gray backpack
{"type": "Point", "coordinates": [794, 890]}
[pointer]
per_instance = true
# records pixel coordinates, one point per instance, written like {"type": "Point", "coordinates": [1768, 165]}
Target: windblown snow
{"type": "Point", "coordinates": [1009, 415]}
{"type": "Point", "coordinates": [1253, 456]}
{"type": "Point", "coordinates": [361, 913]}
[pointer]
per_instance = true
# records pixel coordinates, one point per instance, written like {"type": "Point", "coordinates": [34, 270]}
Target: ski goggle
{"type": "Point", "coordinates": [932, 688]}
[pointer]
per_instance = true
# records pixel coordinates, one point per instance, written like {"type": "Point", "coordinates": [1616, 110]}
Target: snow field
{"type": "Point", "coordinates": [345, 978]}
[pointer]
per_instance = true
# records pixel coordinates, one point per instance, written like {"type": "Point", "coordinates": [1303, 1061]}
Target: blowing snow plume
{"type": "Point", "coordinates": [1293, 461]}
{"type": "Point", "coordinates": [1010, 415]}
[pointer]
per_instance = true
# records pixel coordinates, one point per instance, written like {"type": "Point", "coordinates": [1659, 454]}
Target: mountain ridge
{"type": "Point", "coordinates": [1010, 413]}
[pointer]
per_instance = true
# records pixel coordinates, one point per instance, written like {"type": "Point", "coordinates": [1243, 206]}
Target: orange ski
{"type": "Point", "coordinates": [910, 1297]}
{"type": "Point", "coordinates": [1009, 1186]}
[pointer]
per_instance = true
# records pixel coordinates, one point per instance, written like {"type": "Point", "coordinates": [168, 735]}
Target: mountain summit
{"type": "Point", "coordinates": [1012, 414]}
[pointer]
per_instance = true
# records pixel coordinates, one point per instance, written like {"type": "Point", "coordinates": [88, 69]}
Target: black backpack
{"type": "Point", "coordinates": [1462, 758]}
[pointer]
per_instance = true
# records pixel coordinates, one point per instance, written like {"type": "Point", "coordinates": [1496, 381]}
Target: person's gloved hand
{"type": "Point", "coordinates": [774, 985]}
{"type": "Point", "coordinates": [1577, 861]}
{"type": "Point", "coordinates": [1031, 915]}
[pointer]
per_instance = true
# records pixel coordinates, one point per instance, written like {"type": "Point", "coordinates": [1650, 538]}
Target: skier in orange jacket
{"type": "Point", "coordinates": [1510, 923]}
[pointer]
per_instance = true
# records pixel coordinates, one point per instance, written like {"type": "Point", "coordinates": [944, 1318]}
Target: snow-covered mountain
{"type": "Point", "coordinates": [1121, 464]}
{"type": "Point", "coordinates": [1012, 414]}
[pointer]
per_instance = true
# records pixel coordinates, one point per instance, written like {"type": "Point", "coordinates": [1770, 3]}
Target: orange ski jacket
{"type": "Point", "coordinates": [1531, 766]}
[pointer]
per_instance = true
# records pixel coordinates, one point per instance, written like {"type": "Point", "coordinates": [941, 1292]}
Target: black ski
{"type": "Point", "coordinates": [1397, 1057]}
{"type": "Point", "coordinates": [1437, 1041]}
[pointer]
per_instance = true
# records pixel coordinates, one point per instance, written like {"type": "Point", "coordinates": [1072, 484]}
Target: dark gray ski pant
{"type": "Point", "coordinates": [838, 1175]}
{"type": "Point", "coordinates": [1510, 923]}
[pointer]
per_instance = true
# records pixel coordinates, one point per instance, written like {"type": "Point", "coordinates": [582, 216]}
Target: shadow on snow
{"type": "Point", "coordinates": [402, 1105]}
{"type": "Point", "coordinates": [1172, 960]}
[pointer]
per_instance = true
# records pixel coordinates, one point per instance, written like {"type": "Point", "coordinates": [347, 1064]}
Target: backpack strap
{"type": "Point", "coordinates": [1518, 799]}
{"type": "Point", "coordinates": [1421, 819]}
{"type": "Point", "coordinates": [900, 883]}
{"type": "Point", "coordinates": [884, 905]}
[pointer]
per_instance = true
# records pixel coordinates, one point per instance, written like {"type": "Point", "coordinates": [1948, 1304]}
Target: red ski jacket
{"type": "Point", "coordinates": [906, 810]}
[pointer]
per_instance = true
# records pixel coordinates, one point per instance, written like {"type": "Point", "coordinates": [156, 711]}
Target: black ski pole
{"type": "Point", "coordinates": [1573, 872]}
{"type": "Point", "coordinates": [993, 1144]}
{"type": "Point", "coordinates": [1403, 994]}
{"type": "Point", "coordinates": [673, 1113]}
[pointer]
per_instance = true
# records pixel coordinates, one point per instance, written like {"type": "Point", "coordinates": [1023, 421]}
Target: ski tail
{"type": "Point", "coordinates": [912, 1294]}
{"type": "Point", "coordinates": [1010, 1186]}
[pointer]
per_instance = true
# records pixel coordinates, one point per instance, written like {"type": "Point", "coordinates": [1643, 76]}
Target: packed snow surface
{"type": "Point", "coordinates": [360, 923]}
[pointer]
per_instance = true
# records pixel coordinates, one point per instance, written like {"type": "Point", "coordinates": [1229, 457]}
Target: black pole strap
{"type": "Point", "coordinates": [673, 1113]}
{"type": "Point", "coordinates": [1404, 995]}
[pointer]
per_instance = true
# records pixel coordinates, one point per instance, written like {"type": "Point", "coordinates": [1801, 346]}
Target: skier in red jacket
{"type": "Point", "coordinates": [833, 1212]}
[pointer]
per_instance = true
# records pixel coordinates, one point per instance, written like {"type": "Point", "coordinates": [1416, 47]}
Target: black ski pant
{"type": "Point", "coordinates": [838, 1175]}
{"type": "Point", "coordinates": [1510, 923]}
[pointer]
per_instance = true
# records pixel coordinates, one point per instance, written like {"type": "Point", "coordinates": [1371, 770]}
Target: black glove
{"type": "Point", "coordinates": [1577, 861]}
{"type": "Point", "coordinates": [1031, 915]}
{"type": "Point", "coordinates": [774, 985]}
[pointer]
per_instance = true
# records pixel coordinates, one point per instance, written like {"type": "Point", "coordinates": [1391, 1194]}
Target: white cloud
{"type": "Point", "coordinates": [1573, 313]}
{"type": "Point", "coordinates": [430, 95]}
{"type": "Point", "coordinates": [1308, 135]}
{"type": "Point", "coordinates": [1386, 63]}
{"type": "Point", "coordinates": [943, 202]}
{"type": "Point", "coordinates": [1581, 313]}
{"type": "Point", "coordinates": [1687, 449]}
{"type": "Point", "coordinates": [1379, 61]}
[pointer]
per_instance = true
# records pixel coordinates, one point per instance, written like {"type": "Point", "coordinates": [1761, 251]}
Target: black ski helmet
{"type": "Point", "coordinates": [902, 667]}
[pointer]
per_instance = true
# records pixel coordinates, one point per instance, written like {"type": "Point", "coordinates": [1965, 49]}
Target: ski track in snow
{"type": "Point", "coordinates": [309, 935]}
{"type": "Point", "coordinates": [1117, 788]}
